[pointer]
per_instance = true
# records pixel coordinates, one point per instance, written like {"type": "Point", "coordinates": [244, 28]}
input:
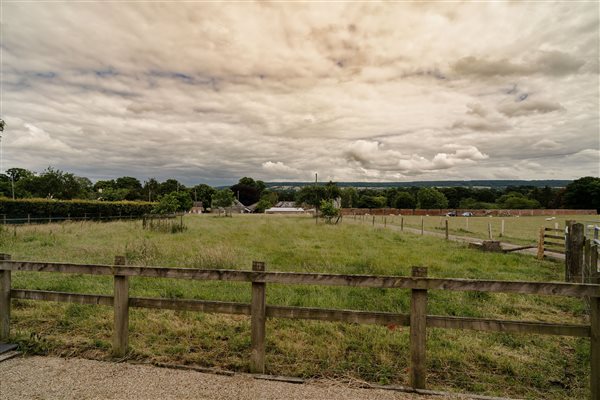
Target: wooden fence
{"type": "Point", "coordinates": [258, 310]}
{"type": "Point", "coordinates": [551, 240]}
{"type": "Point", "coordinates": [591, 250]}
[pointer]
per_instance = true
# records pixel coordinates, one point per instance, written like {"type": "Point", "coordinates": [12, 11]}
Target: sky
{"type": "Point", "coordinates": [208, 93]}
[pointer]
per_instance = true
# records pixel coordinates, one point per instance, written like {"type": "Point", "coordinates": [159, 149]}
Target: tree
{"type": "Point", "coordinates": [132, 185]}
{"type": "Point", "coordinates": [431, 198]}
{"type": "Point", "coordinates": [16, 174]}
{"type": "Point", "coordinates": [85, 188]}
{"type": "Point", "coordinates": [372, 202]}
{"type": "Point", "coordinates": [262, 205]}
{"type": "Point", "coordinates": [311, 195]}
{"type": "Point", "coordinates": [471, 203]}
{"type": "Point", "coordinates": [405, 200]}
{"type": "Point", "coordinates": [9, 183]}
{"type": "Point", "coordinates": [248, 191]}
{"type": "Point", "coordinates": [486, 195]}
{"type": "Point", "coordinates": [169, 186]}
{"type": "Point", "coordinates": [173, 202]}
{"type": "Point", "coordinates": [328, 210]}
{"type": "Point", "coordinates": [204, 193]}
{"type": "Point", "coordinates": [332, 191]}
{"type": "Point", "coordinates": [112, 194]}
{"type": "Point", "coordinates": [583, 193]}
{"type": "Point", "coordinates": [184, 200]}
{"type": "Point", "coordinates": [349, 197]}
{"type": "Point", "coordinates": [516, 200]}
{"type": "Point", "coordinates": [100, 186]}
{"type": "Point", "coordinates": [151, 189]}
{"type": "Point", "coordinates": [167, 204]}
{"type": "Point", "coordinates": [52, 183]}
{"type": "Point", "coordinates": [222, 198]}
{"type": "Point", "coordinates": [267, 200]}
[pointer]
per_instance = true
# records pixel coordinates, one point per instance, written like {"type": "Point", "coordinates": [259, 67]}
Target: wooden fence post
{"type": "Point", "coordinates": [587, 261]}
{"type": "Point", "coordinates": [257, 324]}
{"type": "Point", "coordinates": [574, 254]}
{"type": "Point", "coordinates": [28, 219]}
{"type": "Point", "coordinates": [447, 235]}
{"type": "Point", "coordinates": [402, 223]}
{"type": "Point", "coordinates": [373, 220]}
{"type": "Point", "coordinates": [490, 231]}
{"type": "Point", "coordinates": [594, 273]}
{"type": "Point", "coordinates": [121, 311]}
{"type": "Point", "coordinates": [384, 222]}
{"type": "Point", "coordinates": [422, 225]}
{"type": "Point", "coordinates": [5, 278]}
{"type": "Point", "coordinates": [502, 229]}
{"type": "Point", "coordinates": [595, 348]}
{"type": "Point", "coordinates": [540, 249]}
{"type": "Point", "coordinates": [418, 332]}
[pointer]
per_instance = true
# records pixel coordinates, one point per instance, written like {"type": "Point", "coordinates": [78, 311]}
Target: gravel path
{"type": "Point", "coordinates": [58, 378]}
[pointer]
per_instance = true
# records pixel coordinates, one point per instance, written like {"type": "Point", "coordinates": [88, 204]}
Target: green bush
{"type": "Point", "coordinates": [42, 208]}
{"type": "Point", "coordinates": [173, 202]}
{"type": "Point", "coordinates": [328, 210]}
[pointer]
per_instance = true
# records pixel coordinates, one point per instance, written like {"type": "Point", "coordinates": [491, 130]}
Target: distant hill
{"type": "Point", "coordinates": [496, 184]}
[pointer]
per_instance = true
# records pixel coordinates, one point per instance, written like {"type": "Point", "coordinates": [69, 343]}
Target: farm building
{"type": "Point", "coordinates": [196, 208]}
{"type": "Point", "coordinates": [239, 208]}
{"type": "Point", "coordinates": [285, 210]}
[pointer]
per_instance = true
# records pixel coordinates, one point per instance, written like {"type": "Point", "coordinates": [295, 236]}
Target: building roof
{"type": "Point", "coordinates": [285, 209]}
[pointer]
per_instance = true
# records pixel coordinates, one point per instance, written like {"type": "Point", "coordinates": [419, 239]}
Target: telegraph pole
{"type": "Point", "coordinates": [1, 130]}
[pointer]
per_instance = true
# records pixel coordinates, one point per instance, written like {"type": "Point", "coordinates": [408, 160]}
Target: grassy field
{"type": "Point", "coordinates": [527, 366]}
{"type": "Point", "coordinates": [517, 230]}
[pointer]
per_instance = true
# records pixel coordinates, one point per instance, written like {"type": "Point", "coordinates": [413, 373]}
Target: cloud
{"type": "Point", "coordinates": [546, 144]}
{"type": "Point", "coordinates": [36, 139]}
{"type": "Point", "coordinates": [373, 155]}
{"type": "Point", "coordinates": [211, 92]}
{"type": "Point", "coordinates": [479, 118]}
{"type": "Point", "coordinates": [521, 108]}
{"type": "Point", "coordinates": [553, 63]}
{"type": "Point", "coordinates": [278, 170]}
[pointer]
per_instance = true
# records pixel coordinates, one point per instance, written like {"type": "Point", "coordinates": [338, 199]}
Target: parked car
{"type": "Point", "coordinates": [451, 214]}
{"type": "Point", "coordinates": [467, 214]}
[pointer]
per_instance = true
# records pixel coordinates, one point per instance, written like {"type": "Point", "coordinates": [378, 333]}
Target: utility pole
{"type": "Point", "coordinates": [1, 130]}
{"type": "Point", "coordinates": [316, 205]}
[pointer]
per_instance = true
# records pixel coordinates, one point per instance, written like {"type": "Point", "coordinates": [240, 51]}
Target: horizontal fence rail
{"type": "Point", "coordinates": [418, 320]}
{"type": "Point", "coordinates": [319, 314]}
{"type": "Point", "coordinates": [372, 281]}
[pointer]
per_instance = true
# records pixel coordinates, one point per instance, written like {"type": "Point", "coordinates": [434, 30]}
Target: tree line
{"type": "Point", "coordinates": [583, 193]}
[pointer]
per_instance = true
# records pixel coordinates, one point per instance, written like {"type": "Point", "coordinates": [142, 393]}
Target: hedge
{"type": "Point", "coordinates": [43, 208]}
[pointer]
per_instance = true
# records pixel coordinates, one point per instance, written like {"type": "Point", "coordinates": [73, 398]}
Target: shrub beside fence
{"type": "Point", "coordinates": [258, 310]}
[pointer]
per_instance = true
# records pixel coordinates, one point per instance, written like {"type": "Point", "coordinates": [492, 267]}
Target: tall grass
{"type": "Point", "coordinates": [517, 230]}
{"type": "Point", "coordinates": [516, 365]}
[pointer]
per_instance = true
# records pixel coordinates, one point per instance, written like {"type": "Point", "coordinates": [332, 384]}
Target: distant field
{"type": "Point", "coordinates": [497, 364]}
{"type": "Point", "coordinates": [517, 230]}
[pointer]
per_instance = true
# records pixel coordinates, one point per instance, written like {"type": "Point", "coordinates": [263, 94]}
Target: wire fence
{"type": "Point", "coordinates": [5, 220]}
